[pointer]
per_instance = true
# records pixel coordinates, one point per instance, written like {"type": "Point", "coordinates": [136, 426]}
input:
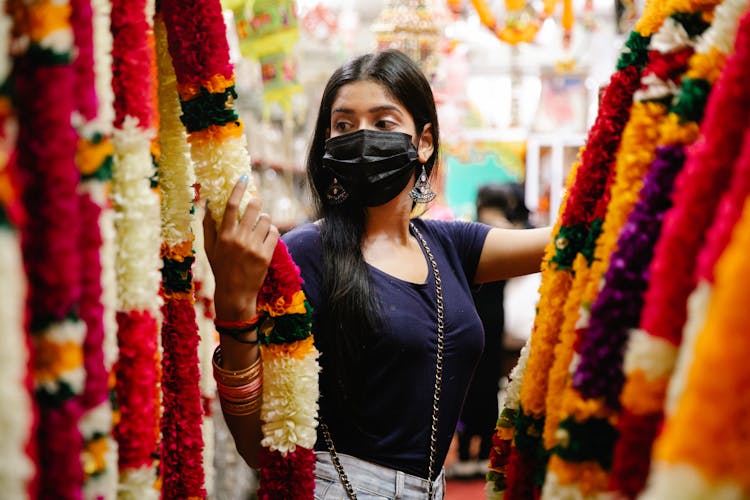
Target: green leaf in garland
{"type": "Point", "coordinates": [635, 52]}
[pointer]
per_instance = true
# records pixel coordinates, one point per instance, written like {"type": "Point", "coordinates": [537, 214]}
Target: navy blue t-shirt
{"type": "Point", "coordinates": [391, 426]}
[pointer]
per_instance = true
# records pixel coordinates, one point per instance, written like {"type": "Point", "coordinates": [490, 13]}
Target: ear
{"type": "Point", "coordinates": [425, 146]}
{"type": "Point", "coordinates": [328, 133]}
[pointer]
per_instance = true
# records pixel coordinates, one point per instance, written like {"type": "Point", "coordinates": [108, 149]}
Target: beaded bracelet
{"type": "Point", "coordinates": [237, 329]}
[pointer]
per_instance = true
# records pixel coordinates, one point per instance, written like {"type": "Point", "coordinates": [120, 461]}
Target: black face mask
{"type": "Point", "coordinates": [372, 166]}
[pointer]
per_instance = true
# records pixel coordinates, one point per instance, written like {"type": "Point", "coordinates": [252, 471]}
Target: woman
{"type": "Point", "coordinates": [393, 315]}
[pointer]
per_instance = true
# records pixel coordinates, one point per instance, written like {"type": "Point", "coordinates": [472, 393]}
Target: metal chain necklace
{"type": "Point", "coordinates": [435, 396]}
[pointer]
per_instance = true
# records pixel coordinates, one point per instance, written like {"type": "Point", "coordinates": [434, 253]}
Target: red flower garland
{"type": "Point", "coordinates": [277, 470]}
{"type": "Point", "coordinates": [135, 394]}
{"type": "Point", "coordinates": [131, 56]}
{"type": "Point", "coordinates": [83, 32]}
{"type": "Point", "coordinates": [728, 213]}
{"type": "Point", "coordinates": [182, 440]}
{"type": "Point", "coordinates": [601, 147]}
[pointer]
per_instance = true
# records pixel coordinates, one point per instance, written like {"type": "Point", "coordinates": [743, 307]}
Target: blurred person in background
{"type": "Point", "coordinates": [506, 309]}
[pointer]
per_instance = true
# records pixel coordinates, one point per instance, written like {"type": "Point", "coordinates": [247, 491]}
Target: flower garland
{"type": "Point", "coordinates": [45, 81]}
{"type": "Point", "coordinates": [517, 28]}
{"type": "Point", "coordinates": [685, 465]}
{"type": "Point", "coordinates": [289, 412]}
{"type": "Point", "coordinates": [204, 288]}
{"type": "Point", "coordinates": [16, 413]}
{"type": "Point", "coordinates": [93, 158]}
{"type": "Point", "coordinates": [652, 350]}
{"type": "Point", "coordinates": [586, 436]}
{"type": "Point", "coordinates": [569, 238]}
{"type": "Point", "coordinates": [137, 225]}
{"type": "Point", "coordinates": [503, 437]}
{"type": "Point", "coordinates": [182, 439]}
{"type": "Point", "coordinates": [637, 430]}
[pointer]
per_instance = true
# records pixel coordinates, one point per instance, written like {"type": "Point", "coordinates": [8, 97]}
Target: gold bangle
{"type": "Point", "coordinates": [240, 409]}
{"type": "Point", "coordinates": [235, 377]}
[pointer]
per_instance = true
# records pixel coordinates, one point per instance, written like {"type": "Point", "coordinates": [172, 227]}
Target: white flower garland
{"type": "Point", "coordinates": [290, 403]}
{"type": "Point", "coordinates": [136, 220]}
{"type": "Point", "coordinates": [213, 168]}
{"type": "Point", "coordinates": [513, 391]}
{"type": "Point", "coordinates": [670, 37]}
{"type": "Point", "coordinates": [697, 308]}
{"type": "Point", "coordinates": [720, 36]}
{"type": "Point", "coordinates": [15, 413]}
{"type": "Point", "coordinates": [654, 356]}
{"type": "Point", "coordinates": [177, 200]}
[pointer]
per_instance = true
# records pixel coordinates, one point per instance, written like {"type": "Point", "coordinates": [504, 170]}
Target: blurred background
{"type": "Point", "coordinates": [516, 82]}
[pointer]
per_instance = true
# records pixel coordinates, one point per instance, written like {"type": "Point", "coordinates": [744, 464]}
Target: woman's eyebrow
{"type": "Point", "coordinates": [385, 107]}
{"type": "Point", "coordinates": [376, 109]}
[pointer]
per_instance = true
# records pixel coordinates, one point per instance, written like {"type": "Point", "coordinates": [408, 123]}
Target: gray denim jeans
{"type": "Point", "coordinates": [370, 481]}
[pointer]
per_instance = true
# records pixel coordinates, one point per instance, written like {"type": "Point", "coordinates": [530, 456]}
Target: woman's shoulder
{"type": "Point", "coordinates": [304, 245]}
{"type": "Point", "coordinates": [303, 232]}
{"type": "Point", "coordinates": [303, 239]}
{"type": "Point", "coordinates": [451, 229]}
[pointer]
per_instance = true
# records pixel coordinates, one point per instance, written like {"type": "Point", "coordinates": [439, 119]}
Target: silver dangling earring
{"type": "Point", "coordinates": [422, 191]}
{"type": "Point", "coordinates": [336, 194]}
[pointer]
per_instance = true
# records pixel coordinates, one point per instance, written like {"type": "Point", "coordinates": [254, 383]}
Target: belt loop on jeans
{"type": "Point", "coordinates": [400, 478]}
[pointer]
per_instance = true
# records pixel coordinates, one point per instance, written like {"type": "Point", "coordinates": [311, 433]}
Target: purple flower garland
{"type": "Point", "coordinates": [619, 304]}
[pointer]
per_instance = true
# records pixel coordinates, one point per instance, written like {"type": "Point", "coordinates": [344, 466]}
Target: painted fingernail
{"type": "Point", "coordinates": [244, 178]}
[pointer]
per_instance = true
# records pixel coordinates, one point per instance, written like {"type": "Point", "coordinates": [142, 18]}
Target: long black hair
{"type": "Point", "coordinates": [353, 311]}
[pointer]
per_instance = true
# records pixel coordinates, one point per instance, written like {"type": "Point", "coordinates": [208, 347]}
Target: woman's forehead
{"type": "Point", "coordinates": [364, 95]}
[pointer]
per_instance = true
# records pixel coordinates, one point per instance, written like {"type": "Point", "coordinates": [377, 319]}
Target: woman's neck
{"type": "Point", "coordinates": [389, 222]}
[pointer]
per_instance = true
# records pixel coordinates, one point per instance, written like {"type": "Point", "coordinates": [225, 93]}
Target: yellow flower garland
{"type": "Point", "coordinates": [563, 354]}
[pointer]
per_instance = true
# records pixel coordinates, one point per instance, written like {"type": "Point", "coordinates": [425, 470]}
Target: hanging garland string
{"type": "Point", "coordinates": [205, 82]}
{"type": "Point", "coordinates": [182, 439]}
{"type": "Point", "coordinates": [526, 457]}
{"type": "Point", "coordinates": [518, 26]}
{"type": "Point", "coordinates": [586, 435]}
{"type": "Point", "coordinates": [636, 430]}
{"type": "Point", "coordinates": [16, 413]}
{"type": "Point", "coordinates": [45, 78]}
{"type": "Point", "coordinates": [94, 159]}
{"type": "Point", "coordinates": [138, 263]}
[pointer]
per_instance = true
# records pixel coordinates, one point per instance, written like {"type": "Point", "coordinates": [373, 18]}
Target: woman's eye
{"type": "Point", "coordinates": [385, 124]}
{"type": "Point", "coordinates": [341, 126]}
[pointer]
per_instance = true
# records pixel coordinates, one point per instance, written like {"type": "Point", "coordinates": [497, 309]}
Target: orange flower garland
{"type": "Point", "coordinates": [704, 454]}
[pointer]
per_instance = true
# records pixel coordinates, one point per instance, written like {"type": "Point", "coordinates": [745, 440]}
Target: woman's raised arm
{"type": "Point", "coordinates": [239, 254]}
{"type": "Point", "coordinates": [512, 252]}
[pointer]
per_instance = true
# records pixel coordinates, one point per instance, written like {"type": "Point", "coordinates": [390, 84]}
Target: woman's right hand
{"type": "Point", "coordinates": [239, 254]}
